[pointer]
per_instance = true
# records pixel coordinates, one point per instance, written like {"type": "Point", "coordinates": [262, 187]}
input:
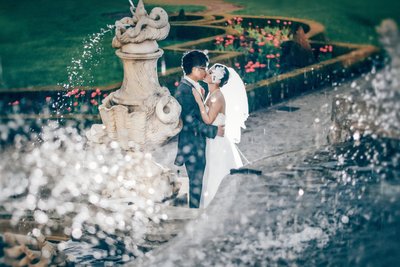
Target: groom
{"type": "Point", "coordinates": [192, 138]}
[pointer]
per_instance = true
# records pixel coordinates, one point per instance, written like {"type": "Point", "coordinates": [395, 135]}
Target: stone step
{"type": "Point", "coordinates": [179, 213]}
{"type": "Point", "coordinates": [176, 219]}
{"type": "Point", "coordinates": [164, 231]}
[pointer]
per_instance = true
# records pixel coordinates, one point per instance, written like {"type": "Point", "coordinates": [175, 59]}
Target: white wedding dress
{"type": "Point", "coordinates": [221, 156]}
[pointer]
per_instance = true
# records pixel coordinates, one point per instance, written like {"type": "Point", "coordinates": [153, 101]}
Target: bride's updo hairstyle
{"type": "Point", "coordinates": [219, 73]}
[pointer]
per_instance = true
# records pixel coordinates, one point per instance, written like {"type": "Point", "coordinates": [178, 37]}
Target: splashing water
{"type": "Point", "coordinates": [80, 70]}
{"type": "Point", "coordinates": [98, 194]}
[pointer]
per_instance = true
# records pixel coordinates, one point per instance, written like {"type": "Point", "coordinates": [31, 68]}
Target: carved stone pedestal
{"type": "Point", "coordinates": [141, 114]}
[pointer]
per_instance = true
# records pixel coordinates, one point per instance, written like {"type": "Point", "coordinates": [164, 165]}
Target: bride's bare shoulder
{"type": "Point", "coordinates": [218, 102]}
{"type": "Point", "coordinates": [217, 98]}
{"type": "Point", "coordinates": [219, 95]}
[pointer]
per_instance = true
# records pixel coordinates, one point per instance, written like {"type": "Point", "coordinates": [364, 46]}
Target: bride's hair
{"type": "Point", "coordinates": [223, 73]}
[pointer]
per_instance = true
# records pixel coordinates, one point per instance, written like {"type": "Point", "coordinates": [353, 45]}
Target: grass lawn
{"type": "Point", "coordinates": [351, 21]}
{"type": "Point", "coordinates": [38, 40]}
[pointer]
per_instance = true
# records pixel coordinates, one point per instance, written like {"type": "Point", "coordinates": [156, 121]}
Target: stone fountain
{"type": "Point", "coordinates": [141, 114]}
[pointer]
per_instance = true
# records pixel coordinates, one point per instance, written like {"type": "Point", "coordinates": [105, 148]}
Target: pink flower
{"type": "Point", "coordinates": [229, 21]}
{"type": "Point", "coordinates": [94, 102]}
{"type": "Point", "coordinates": [75, 104]}
{"type": "Point", "coordinates": [278, 21]}
{"type": "Point", "coordinates": [15, 103]}
{"type": "Point", "coordinates": [237, 65]}
{"type": "Point", "coordinates": [176, 83]}
{"type": "Point", "coordinates": [93, 94]}
{"type": "Point", "coordinates": [261, 43]}
{"type": "Point", "coordinates": [289, 22]}
{"type": "Point", "coordinates": [263, 65]}
{"type": "Point", "coordinates": [83, 92]}
{"type": "Point", "coordinates": [74, 91]}
{"type": "Point", "coordinates": [251, 50]}
{"type": "Point", "coordinates": [278, 66]}
{"type": "Point", "coordinates": [284, 23]}
{"type": "Point", "coordinates": [228, 42]}
{"type": "Point", "coordinates": [269, 22]}
{"type": "Point", "coordinates": [69, 108]}
{"type": "Point", "coordinates": [98, 91]}
{"type": "Point", "coordinates": [105, 95]}
{"type": "Point", "coordinates": [250, 63]}
{"type": "Point", "coordinates": [48, 98]}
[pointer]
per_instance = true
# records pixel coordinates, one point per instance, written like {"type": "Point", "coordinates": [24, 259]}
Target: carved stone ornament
{"type": "Point", "coordinates": [141, 114]}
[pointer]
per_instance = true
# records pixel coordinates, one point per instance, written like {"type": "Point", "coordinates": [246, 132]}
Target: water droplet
{"type": "Point", "coordinates": [301, 192]}
{"type": "Point", "coordinates": [356, 136]}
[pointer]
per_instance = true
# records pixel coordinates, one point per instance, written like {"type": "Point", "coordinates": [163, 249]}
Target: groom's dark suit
{"type": "Point", "coordinates": [192, 141]}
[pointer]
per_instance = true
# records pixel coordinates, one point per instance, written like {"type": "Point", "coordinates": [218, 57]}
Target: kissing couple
{"type": "Point", "coordinates": [211, 124]}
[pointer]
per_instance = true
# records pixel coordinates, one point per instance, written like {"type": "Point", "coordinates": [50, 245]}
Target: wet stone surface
{"type": "Point", "coordinates": [323, 208]}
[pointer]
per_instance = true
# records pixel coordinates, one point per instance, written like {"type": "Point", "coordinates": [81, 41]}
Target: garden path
{"type": "Point", "coordinates": [212, 6]}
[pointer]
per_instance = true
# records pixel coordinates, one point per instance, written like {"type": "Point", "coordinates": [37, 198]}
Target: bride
{"type": "Point", "coordinates": [226, 104]}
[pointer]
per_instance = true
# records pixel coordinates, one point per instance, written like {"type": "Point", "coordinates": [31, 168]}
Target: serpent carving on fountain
{"type": "Point", "coordinates": [141, 114]}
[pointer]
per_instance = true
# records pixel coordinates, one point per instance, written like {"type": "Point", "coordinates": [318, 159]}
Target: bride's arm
{"type": "Point", "coordinates": [214, 109]}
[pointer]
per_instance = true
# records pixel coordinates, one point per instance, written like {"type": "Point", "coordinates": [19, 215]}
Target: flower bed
{"type": "Point", "coordinates": [261, 47]}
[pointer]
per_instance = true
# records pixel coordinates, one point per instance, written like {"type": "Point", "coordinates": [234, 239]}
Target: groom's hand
{"type": "Point", "coordinates": [221, 130]}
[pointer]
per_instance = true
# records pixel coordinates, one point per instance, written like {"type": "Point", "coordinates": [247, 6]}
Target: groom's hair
{"type": "Point", "coordinates": [194, 58]}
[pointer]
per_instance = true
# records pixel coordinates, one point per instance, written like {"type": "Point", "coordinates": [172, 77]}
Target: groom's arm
{"type": "Point", "coordinates": [191, 114]}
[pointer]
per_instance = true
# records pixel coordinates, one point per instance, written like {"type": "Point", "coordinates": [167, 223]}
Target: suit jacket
{"type": "Point", "coordinates": [192, 138]}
